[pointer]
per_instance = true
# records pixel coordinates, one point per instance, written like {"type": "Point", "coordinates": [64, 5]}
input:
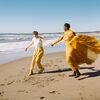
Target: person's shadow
{"type": "Point", "coordinates": [68, 69]}
{"type": "Point", "coordinates": [93, 73]}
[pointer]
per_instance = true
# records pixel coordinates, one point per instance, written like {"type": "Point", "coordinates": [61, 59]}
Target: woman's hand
{"type": "Point", "coordinates": [51, 44]}
{"type": "Point", "coordinates": [32, 42]}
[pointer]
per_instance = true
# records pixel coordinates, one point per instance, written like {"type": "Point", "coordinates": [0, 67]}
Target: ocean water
{"type": "Point", "coordinates": [10, 42]}
{"type": "Point", "coordinates": [12, 45]}
{"type": "Point", "coordinates": [17, 41]}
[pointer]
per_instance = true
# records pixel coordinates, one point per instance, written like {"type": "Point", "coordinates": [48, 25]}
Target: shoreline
{"type": "Point", "coordinates": [8, 57]}
{"type": "Point", "coordinates": [30, 57]}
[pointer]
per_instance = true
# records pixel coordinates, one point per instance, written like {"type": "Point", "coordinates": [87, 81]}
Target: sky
{"type": "Point", "coordinates": [49, 15]}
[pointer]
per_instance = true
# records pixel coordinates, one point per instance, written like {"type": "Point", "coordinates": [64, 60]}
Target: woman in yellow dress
{"type": "Point", "coordinates": [79, 49]}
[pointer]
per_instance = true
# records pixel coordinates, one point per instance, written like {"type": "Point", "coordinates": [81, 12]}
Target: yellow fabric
{"type": "Point", "coordinates": [37, 56]}
{"type": "Point", "coordinates": [79, 48]}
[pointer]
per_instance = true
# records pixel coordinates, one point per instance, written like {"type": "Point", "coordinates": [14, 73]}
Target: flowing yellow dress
{"type": "Point", "coordinates": [79, 49]}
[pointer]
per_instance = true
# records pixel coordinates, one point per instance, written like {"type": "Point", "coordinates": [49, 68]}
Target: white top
{"type": "Point", "coordinates": [37, 42]}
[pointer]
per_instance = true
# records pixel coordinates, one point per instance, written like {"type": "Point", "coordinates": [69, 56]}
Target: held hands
{"type": "Point", "coordinates": [51, 44]}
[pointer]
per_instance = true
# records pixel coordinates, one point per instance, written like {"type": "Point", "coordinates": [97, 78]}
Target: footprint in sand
{"type": "Point", "coordinates": [42, 97]}
{"type": "Point", "coordinates": [81, 96]}
{"type": "Point", "coordinates": [1, 93]}
{"type": "Point", "coordinates": [54, 92]}
{"type": "Point", "coordinates": [9, 83]}
{"type": "Point", "coordinates": [22, 91]}
{"type": "Point", "coordinates": [52, 79]}
{"type": "Point", "coordinates": [55, 65]}
{"type": "Point", "coordinates": [2, 84]}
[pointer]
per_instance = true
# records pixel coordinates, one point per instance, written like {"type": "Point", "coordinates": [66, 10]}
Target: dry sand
{"type": "Point", "coordinates": [53, 84]}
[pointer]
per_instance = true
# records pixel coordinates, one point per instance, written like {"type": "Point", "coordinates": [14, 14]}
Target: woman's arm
{"type": "Point", "coordinates": [57, 40]}
{"type": "Point", "coordinates": [29, 45]}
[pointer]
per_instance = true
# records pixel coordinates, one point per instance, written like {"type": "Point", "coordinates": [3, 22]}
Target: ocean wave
{"type": "Point", "coordinates": [16, 37]}
{"type": "Point", "coordinates": [15, 42]}
{"type": "Point", "coordinates": [18, 46]}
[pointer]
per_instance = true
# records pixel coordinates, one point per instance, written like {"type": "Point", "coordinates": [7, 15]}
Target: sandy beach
{"type": "Point", "coordinates": [53, 30]}
{"type": "Point", "coordinates": [53, 84]}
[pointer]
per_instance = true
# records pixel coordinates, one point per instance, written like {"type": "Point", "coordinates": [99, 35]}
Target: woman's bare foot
{"type": "Point", "coordinates": [77, 74]}
{"type": "Point", "coordinates": [30, 73]}
{"type": "Point", "coordinates": [41, 71]}
{"type": "Point", "coordinates": [73, 74]}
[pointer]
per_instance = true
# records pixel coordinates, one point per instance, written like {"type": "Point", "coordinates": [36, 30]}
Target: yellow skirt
{"type": "Point", "coordinates": [82, 49]}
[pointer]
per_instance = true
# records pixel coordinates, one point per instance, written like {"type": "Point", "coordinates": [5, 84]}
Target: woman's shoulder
{"type": "Point", "coordinates": [72, 32]}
